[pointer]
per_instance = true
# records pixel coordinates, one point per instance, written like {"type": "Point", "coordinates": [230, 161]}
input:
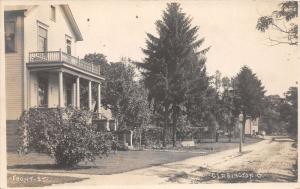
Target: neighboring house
{"type": "Point", "coordinates": [251, 126]}
{"type": "Point", "coordinates": [42, 67]}
{"type": "Point", "coordinates": [107, 121]}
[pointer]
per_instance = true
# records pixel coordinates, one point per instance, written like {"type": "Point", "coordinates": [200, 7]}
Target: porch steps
{"type": "Point", "coordinates": [11, 135]}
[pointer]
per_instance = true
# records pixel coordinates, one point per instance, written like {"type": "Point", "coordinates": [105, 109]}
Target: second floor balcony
{"type": "Point", "coordinates": [54, 57]}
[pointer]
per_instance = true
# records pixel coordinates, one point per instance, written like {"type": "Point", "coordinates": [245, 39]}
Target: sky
{"type": "Point", "coordinates": [118, 29]}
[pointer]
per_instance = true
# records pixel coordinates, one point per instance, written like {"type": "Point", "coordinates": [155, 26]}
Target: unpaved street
{"type": "Point", "coordinates": [265, 161]}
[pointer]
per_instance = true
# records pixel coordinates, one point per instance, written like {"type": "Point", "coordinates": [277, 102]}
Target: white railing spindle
{"type": "Point", "coordinates": [59, 56]}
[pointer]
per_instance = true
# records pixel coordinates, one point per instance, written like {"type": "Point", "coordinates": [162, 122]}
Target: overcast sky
{"type": "Point", "coordinates": [119, 29]}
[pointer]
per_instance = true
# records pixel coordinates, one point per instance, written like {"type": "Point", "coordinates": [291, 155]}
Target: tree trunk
{"type": "Point", "coordinates": [140, 142]}
{"type": "Point", "coordinates": [174, 135]}
{"type": "Point", "coordinates": [164, 136]}
{"type": "Point", "coordinates": [166, 107]}
{"type": "Point", "coordinates": [230, 131]}
{"type": "Point", "coordinates": [174, 129]}
{"type": "Point", "coordinates": [166, 124]}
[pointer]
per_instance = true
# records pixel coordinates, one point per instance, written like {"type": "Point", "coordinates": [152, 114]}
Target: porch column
{"type": "Point", "coordinates": [78, 92]}
{"type": "Point", "coordinates": [74, 94]}
{"type": "Point", "coordinates": [90, 96]}
{"type": "Point", "coordinates": [131, 133]}
{"type": "Point", "coordinates": [99, 98]}
{"type": "Point", "coordinates": [61, 89]}
{"type": "Point", "coordinates": [107, 125]}
{"type": "Point", "coordinates": [115, 125]}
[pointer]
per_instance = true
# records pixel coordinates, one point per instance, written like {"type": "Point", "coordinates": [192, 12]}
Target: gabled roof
{"type": "Point", "coordinates": [72, 21]}
{"type": "Point", "coordinates": [18, 7]}
{"type": "Point", "coordinates": [66, 9]}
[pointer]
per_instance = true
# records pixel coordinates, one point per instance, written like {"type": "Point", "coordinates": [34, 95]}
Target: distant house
{"type": "Point", "coordinates": [251, 126]}
{"type": "Point", "coordinates": [43, 69]}
{"type": "Point", "coordinates": [275, 99]}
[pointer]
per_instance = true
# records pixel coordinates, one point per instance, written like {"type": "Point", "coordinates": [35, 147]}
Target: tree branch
{"type": "Point", "coordinates": [280, 29]}
{"type": "Point", "coordinates": [277, 42]}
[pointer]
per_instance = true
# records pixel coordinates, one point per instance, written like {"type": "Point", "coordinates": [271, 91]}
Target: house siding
{"type": "Point", "coordinates": [250, 126]}
{"type": "Point", "coordinates": [33, 89]}
{"type": "Point", "coordinates": [57, 30]}
{"type": "Point", "coordinates": [14, 63]}
{"type": "Point", "coordinates": [11, 135]}
{"type": "Point", "coordinates": [56, 34]}
{"type": "Point", "coordinates": [21, 90]}
{"type": "Point", "coordinates": [22, 85]}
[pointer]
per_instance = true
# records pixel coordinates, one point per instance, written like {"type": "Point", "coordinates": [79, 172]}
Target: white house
{"type": "Point", "coordinates": [251, 126]}
{"type": "Point", "coordinates": [42, 67]}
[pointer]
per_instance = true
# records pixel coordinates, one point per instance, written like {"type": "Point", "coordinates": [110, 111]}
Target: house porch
{"type": "Point", "coordinates": [57, 79]}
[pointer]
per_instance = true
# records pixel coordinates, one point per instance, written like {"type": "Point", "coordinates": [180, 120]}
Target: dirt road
{"type": "Point", "coordinates": [265, 161]}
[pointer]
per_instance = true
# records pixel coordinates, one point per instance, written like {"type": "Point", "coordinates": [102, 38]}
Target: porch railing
{"type": "Point", "coordinates": [59, 56]}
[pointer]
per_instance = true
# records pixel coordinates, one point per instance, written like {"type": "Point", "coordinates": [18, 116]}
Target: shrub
{"type": "Point", "coordinates": [121, 146]}
{"type": "Point", "coordinates": [188, 133]}
{"type": "Point", "coordinates": [65, 134]}
{"type": "Point", "coordinates": [153, 137]}
{"type": "Point", "coordinates": [118, 141]}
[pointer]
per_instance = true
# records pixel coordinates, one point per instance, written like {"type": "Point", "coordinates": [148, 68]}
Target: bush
{"type": "Point", "coordinates": [121, 146]}
{"type": "Point", "coordinates": [65, 134]}
{"type": "Point", "coordinates": [152, 137]}
{"type": "Point", "coordinates": [188, 133]}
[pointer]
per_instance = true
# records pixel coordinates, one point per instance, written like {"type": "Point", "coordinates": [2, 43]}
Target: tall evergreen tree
{"type": "Point", "coordinates": [170, 59]}
{"type": "Point", "coordinates": [249, 94]}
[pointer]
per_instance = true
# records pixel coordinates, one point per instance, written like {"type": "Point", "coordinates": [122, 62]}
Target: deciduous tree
{"type": "Point", "coordinates": [281, 22]}
{"type": "Point", "coordinates": [289, 111]}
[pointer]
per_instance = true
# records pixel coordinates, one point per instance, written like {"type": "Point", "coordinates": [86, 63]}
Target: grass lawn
{"type": "Point", "coordinates": [122, 161]}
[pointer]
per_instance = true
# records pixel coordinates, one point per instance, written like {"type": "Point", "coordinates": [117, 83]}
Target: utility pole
{"type": "Point", "coordinates": [241, 118]}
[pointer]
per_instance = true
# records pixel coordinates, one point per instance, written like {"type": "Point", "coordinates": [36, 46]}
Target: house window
{"type": "Point", "coordinates": [69, 46]}
{"type": "Point", "coordinates": [42, 39]}
{"type": "Point", "coordinates": [42, 91]}
{"type": "Point", "coordinates": [52, 13]}
{"type": "Point", "coordinates": [10, 41]}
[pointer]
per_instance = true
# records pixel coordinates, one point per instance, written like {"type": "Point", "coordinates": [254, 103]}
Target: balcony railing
{"type": "Point", "coordinates": [59, 56]}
